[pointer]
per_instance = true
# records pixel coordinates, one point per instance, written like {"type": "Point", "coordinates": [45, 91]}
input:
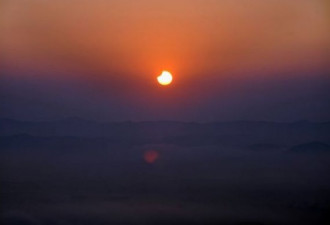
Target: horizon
{"type": "Point", "coordinates": [155, 121]}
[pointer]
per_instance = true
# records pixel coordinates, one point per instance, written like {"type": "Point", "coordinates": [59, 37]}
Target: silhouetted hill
{"type": "Point", "coordinates": [179, 133]}
{"type": "Point", "coordinates": [311, 147]}
{"type": "Point", "coordinates": [214, 171]}
{"type": "Point", "coordinates": [25, 141]}
{"type": "Point", "coordinates": [264, 147]}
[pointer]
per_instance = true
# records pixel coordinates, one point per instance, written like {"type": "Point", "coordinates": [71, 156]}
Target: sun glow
{"type": "Point", "coordinates": [165, 78]}
{"type": "Point", "coordinates": [151, 156]}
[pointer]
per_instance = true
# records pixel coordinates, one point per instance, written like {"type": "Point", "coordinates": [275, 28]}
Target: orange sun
{"type": "Point", "coordinates": [165, 78]}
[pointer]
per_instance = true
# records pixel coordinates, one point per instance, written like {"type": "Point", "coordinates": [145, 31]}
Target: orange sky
{"type": "Point", "coordinates": [187, 37]}
{"type": "Point", "coordinates": [100, 58]}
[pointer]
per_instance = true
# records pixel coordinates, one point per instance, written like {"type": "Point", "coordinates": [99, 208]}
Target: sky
{"type": "Point", "coordinates": [230, 60]}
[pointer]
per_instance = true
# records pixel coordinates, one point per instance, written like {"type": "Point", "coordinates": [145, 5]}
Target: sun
{"type": "Point", "coordinates": [165, 78]}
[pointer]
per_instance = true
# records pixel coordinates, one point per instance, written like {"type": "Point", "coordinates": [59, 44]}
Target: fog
{"type": "Point", "coordinates": [85, 180]}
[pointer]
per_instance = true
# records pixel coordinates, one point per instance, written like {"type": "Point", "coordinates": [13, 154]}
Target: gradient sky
{"type": "Point", "coordinates": [231, 60]}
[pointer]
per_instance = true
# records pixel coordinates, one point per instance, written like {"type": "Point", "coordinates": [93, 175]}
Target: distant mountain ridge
{"type": "Point", "coordinates": [239, 133]}
{"type": "Point", "coordinates": [311, 147]}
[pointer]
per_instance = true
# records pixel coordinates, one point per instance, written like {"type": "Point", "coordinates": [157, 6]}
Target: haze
{"type": "Point", "coordinates": [231, 60]}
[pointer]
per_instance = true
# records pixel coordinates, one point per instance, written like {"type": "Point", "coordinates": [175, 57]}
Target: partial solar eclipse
{"type": "Point", "coordinates": [165, 78]}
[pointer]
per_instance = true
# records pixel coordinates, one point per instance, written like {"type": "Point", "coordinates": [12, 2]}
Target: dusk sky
{"type": "Point", "coordinates": [230, 60]}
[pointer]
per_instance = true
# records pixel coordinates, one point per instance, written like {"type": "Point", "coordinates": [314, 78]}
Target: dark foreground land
{"type": "Point", "coordinates": [83, 172]}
